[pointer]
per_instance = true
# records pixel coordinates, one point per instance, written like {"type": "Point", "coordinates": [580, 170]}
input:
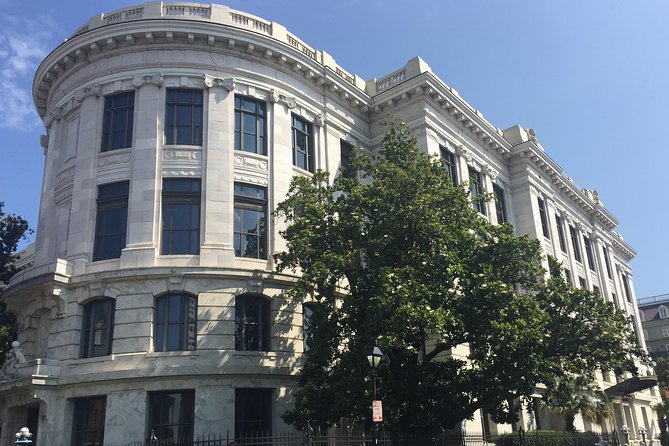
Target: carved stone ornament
{"type": "Point", "coordinates": [319, 120]}
{"type": "Point", "coordinates": [14, 357]}
{"type": "Point", "coordinates": [288, 101]}
{"type": "Point", "coordinates": [55, 114]}
{"type": "Point", "coordinates": [83, 93]}
{"type": "Point", "coordinates": [460, 150]}
{"type": "Point", "coordinates": [212, 81]}
{"type": "Point", "coordinates": [44, 141]}
{"type": "Point", "coordinates": [144, 79]}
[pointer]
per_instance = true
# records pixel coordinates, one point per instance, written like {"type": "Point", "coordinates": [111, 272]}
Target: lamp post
{"type": "Point", "coordinates": [642, 432]}
{"type": "Point", "coordinates": [23, 436]}
{"type": "Point", "coordinates": [626, 433]}
{"type": "Point", "coordinates": [374, 358]}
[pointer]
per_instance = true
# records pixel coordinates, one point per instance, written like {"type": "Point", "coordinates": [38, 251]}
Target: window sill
{"type": "Point", "coordinates": [268, 355]}
{"type": "Point", "coordinates": [96, 359]}
{"type": "Point", "coordinates": [111, 152]}
{"type": "Point", "coordinates": [183, 146]}
{"type": "Point", "coordinates": [192, 354]}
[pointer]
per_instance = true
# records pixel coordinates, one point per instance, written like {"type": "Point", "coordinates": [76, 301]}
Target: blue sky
{"type": "Point", "coordinates": [589, 76]}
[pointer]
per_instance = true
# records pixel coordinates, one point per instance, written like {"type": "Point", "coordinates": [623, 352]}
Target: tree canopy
{"type": "Point", "coordinates": [396, 256]}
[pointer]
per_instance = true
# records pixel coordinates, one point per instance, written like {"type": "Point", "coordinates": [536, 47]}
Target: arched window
{"type": "Point", "coordinates": [97, 330]}
{"type": "Point", "coordinates": [663, 312]}
{"type": "Point", "coordinates": [252, 323]}
{"type": "Point", "coordinates": [175, 322]}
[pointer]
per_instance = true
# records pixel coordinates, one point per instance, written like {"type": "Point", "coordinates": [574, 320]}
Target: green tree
{"type": "Point", "coordinates": [397, 256]}
{"type": "Point", "coordinates": [13, 229]}
{"type": "Point", "coordinates": [579, 395]}
{"type": "Point", "coordinates": [662, 409]}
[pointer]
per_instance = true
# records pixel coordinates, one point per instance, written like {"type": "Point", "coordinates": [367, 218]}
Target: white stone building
{"type": "Point", "coordinates": [173, 130]}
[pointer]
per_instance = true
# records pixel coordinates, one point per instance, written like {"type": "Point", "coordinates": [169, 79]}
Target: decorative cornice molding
{"type": "Point", "coordinates": [55, 114]}
{"type": "Point", "coordinates": [213, 81]}
{"type": "Point", "coordinates": [288, 101]}
{"type": "Point", "coordinates": [140, 80]}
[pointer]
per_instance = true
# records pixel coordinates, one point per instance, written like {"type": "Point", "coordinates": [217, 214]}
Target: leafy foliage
{"type": "Point", "coordinates": [397, 256]}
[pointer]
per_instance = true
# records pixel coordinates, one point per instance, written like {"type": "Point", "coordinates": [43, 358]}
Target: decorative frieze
{"type": "Point", "coordinates": [182, 155]}
{"type": "Point", "coordinates": [182, 173]}
{"type": "Point", "coordinates": [248, 162]}
{"type": "Point", "coordinates": [114, 159]}
{"type": "Point", "coordinates": [146, 79]}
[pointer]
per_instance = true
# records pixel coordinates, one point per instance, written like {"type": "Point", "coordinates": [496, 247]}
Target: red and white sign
{"type": "Point", "coordinates": [377, 411]}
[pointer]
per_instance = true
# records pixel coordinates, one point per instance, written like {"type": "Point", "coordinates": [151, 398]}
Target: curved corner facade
{"type": "Point", "coordinates": [172, 132]}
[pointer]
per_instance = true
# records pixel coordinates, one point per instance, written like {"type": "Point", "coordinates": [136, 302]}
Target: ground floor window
{"type": "Point", "coordinates": [253, 413]}
{"type": "Point", "coordinates": [89, 421]}
{"type": "Point", "coordinates": [171, 416]}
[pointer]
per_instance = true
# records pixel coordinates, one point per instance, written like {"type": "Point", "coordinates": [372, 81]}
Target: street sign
{"type": "Point", "coordinates": [377, 411]}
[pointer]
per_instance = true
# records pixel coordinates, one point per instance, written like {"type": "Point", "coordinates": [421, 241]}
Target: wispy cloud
{"type": "Point", "coordinates": [24, 42]}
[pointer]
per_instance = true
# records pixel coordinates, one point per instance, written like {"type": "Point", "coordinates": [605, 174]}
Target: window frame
{"type": "Point", "coordinates": [87, 346]}
{"type": "Point", "coordinates": [163, 401]}
{"type": "Point", "coordinates": [263, 322]}
{"type": "Point", "coordinates": [589, 253]}
{"type": "Point", "coordinates": [244, 203]}
{"type": "Point", "coordinates": [607, 262]}
{"type": "Point", "coordinates": [196, 110]}
{"type": "Point", "coordinates": [450, 162]}
{"type": "Point", "coordinates": [304, 132]}
{"type": "Point", "coordinates": [543, 216]}
{"type": "Point", "coordinates": [500, 204]}
{"type": "Point", "coordinates": [86, 419]}
{"type": "Point", "coordinates": [174, 202]}
{"type": "Point", "coordinates": [259, 116]}
{"type": "Point", "coordinates": [247, 399]}
{"type": "Point", "coordinates": [345, 152]}
{"type": "Point", "coordinates": [665, 331]}
{"type": "Point", "coordinates": [186, 325]}
{"type": "Point", "coordinates": [110, 201]}
{"type": "Point", "coordinates": [111, 112]}
{"type": "Point", "coordinates": [561, 237]}
{"type": "Point", "coordinates": [573, 232]}
{"type": "Point", "coordinates": [663, 312]}
{"type": "Point", "coordinates": [476, 190]}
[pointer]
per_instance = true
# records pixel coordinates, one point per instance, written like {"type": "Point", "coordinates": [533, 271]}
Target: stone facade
{"type": "Point", "coordinates": [148, 53]}
{"type": "Point", "coordinates": [654, 315]}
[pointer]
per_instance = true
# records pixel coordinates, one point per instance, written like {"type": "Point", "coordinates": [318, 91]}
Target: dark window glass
{"type": "Point", "coordinates": [615, 300]}
{"type": "Point", "coordinates": [303, 144]}
{"type": "Point", "coordinates": [252, 323]}
{"type": "Point", "coordinates": [97, 329]}
{"type": "Point", "coordinates": [567, 275]}
{"type": "Point", "coordinates": [171, 416]}
{"type": "Point", "coordinates": [595, 288]}
{"type": "Point", "coordinates": [560, 229]}
{"type": "Point", "coordinates": [476, 189]}
{"type": "Point", "coordinates": [345, 150]}
{"type": "Point", "coordinates": [307, 319]}
{"type": "Point", "coordinates": [607, 262]}
{"type": "Point", "coordinates": [88, 428]}
{"type": "Point", "coordinates": [111, 221]}
{"type": "Point", "coordinates": [626, 288]}
{"type": "Point", "coordinates": [574, 243]}
{"type": "Point", "coordinates": [581, 282]}
{"type": "Point", "coordinates": [181, 216]}
{"type": "Point", "coordinates": [117, 121]}
{"type": "Point", "coordinates": [175, 322]}
{"type": "Point", "coordinates": [183, 116]}
{"type": "Point", "coordinates": [500, 204]}
{"type": "Point", "coordinates": [448, 159]}
{"type": "Point", "coordinates": [544, 218]}
{"type": "Point", "coordinates": [588, 253]}
{"type": "Point", "coordinates": [250, 225]}
{"type": "Point", "coordinates": [250, 125]}
{"type": "Point", "coordinates": [253, 413]}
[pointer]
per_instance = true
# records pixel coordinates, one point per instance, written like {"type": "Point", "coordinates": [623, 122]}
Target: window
{"type": "Point", "coordinates": [97, 329]}
{"type": "Point", "coordinates": [574, 243]}
{"type": "Point", "coordinates": [500, 204]}
{"type": "Point", "coordinates": [183, 116]}
{"type": "Point", "coordinates": [607, 262]}
{"type": "Point", "coordinates": [181, 216]}
{"type": "Point", "coordinates": [615, 300]}
{"type": "Point", "coordinates": [171, 416]}
{"type": "Point", "coordinates": [626, 288]}
{"type": "Point", "coordinates": [253, 412]}
{"type": "Point", "coordinates": [581, 282]}
{"type": "Point", "coordinates": [476, 189]}
{"type": "Point", "coordinates": [250, 221]}
{"type": "Point", "coordinates": [250, 125]}
{"type": "Point", "coordinates": [665, 332]}
{"type": "Point", "coordinates": [252, 323]}
{"type": "Point", "coordinates": [663, 312]}
{"type": "Point", "coordinates": [111, 221]}
{"type": "Point", "coordinates": [307, 319]}
{"type": "Point", "coordinates": [588, 253]}
{"type": "Point", "coordinates": [175, 322]}
{"type": "Point", "coordinates": [567, 275]}
{"type": "Point", "coordinates": [345, 150]}
{"type": "Point", "coordinates": [560, 229]}
{"type": "Point", "coordinates": [595, 289]}
{"type": "Point", "coordinates": [303, 144]}
{"type": "Point", "coordinates": [88, 428]}
{"type": "Point", "coordinates": [117, 121]}
{"type": "Point", "coordinates": [544, 218]}
{"type": "Point", "coordinates": [449, 161]}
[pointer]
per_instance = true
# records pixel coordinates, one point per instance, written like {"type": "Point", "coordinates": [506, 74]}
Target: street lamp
{"type": "Point", "coordinates": [374, 358]}
{"type": "Point", "coordinates": [23, 436]}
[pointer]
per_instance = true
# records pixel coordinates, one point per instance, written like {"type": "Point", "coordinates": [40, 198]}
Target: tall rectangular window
{"type": "Point", "coordinates": [250, 125]}
{"type": "Point", "coordinates": [607, 262]}
{"type": "Point", "coordinates": [111, 220]}
{"type": "Point", "coordinates": [476, 190]}
{"type": "Point", "coordinates": [500, 204]}
{"type": "Point", "coordinates": [250, 232]}
{"type": "Point", "coordinates": [544, 218]}
{"type": "Point", "coordinates": [183, 116]}
{"type": "Point", "coordinates": [567, 276]}
{"type": "Point", "coordinates": [561, 237]}
{"type": "Point", "coordinates": [626, 288]}
{"type": "Point", "coordinates": [345, 150]}
{"type": "Point", "coordinates": [97, 330]}
{"type": "Point", "coordinates": [574, 243]}
{"type": "Point", "coordinates": [588, 252]}
{"type": "Point", "coordinates": [303, 143]}
{"type": "Point", "coordinates": [449, 161]}
{"type": "Point", "coordinates": [88, 427]}
{"type": "Point", "coordinates": [175, 323]}
{"type": "Point", "coordinates": [581, 282]}
{"type": "Point", "coordinates": [171, 416]}
{"type": "Point", "coordinates": [253, 413]}
{"type": "Point", "coordinates": [117, 121]}
{"type": "Point", "coordinates": [181, 216]}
